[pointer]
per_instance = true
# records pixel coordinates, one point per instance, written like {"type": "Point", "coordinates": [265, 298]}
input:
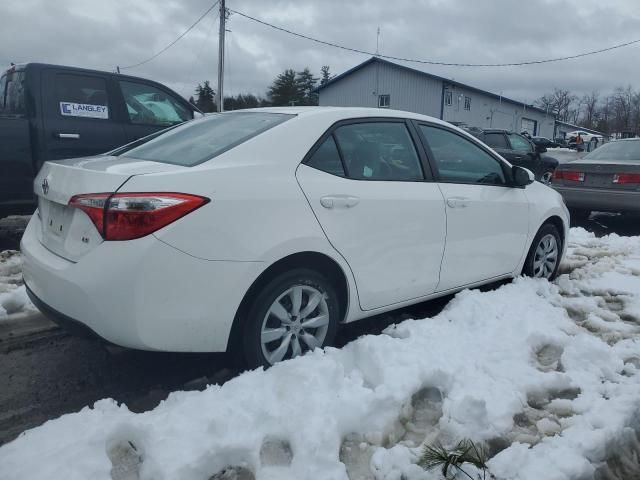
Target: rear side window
{"type": "Point", "coordinates": [201, 140]}
{"type": "Point", "coordinates": [496, 140]}
{"type": "Point", "coordinates": [81, 96]}
{"type": "Point", "coordinates": [12, 95]}
{"type": "Point", "coordinates": [147, 105]}
{"type": "Point", "coordinates": [327, 158]}
{"type": "Point", "coordinates": [379, 151]}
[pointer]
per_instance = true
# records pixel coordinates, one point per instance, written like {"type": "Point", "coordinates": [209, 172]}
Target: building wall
{"type": "Point", "coordinates": [407, 90]}
{"type": "Point", "coordinates": [489, 112]}
{"type": "Point", "coordinates": [414, 92]}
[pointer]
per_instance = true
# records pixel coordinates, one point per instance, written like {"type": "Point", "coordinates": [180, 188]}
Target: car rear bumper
{"type": "Point", "coordinates": [600, 199]}
{"type": "Point", "coordinates": [141, 294]}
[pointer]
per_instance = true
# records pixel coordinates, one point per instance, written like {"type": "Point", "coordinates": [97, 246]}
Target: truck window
{"type": "Point", "coordinates": [81, 96]}
{"type": "Point", "coordinates": [12, 93]}
{"type": "Point", "coordinates": [148, 105]}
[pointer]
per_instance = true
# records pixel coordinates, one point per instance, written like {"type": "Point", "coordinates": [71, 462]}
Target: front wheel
{"type": "Point", "coordinates": [543, 260]}
{"type": "Point", "coordinates": [294, 313]}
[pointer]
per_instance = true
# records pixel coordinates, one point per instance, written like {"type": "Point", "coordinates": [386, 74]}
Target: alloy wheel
{"type": "Point", "coordinates": [296, 322]}
{"type": "Point", "coordinates": [546, 256]}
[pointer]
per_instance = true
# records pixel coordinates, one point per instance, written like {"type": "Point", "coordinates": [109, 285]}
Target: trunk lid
{"type": "Point", "coordinates": [600, 174]}
{"type": "Point", "coordinates": [69, 232]}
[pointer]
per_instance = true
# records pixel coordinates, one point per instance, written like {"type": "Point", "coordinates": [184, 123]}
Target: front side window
{"type": "Point", "coordinates": [495, 140]}
{"type": "Point", "coordinates": [12, 94]}
{"type": "Point", "coordinates": [379, 151]}
{"type": "Point", "coordinates": [327, 158]}
{"type": "Point", "coordinates": [467, 103]}
{"type": "Point", "coordinates": [201, 140]}
{"type": "Point", "coordinates": [147, 105]}
{"type": "Point", "coordinates": [81, 96]}
{"type": "Point", "coordinates": [519, 143]}
{"type": "Point", "coordinates": [458, 160]}
{"type": "Point", "coordinates": [384, 101]}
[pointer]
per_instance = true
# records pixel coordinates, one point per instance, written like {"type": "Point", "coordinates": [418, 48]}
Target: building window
{"type": "Point", "coordinates": [467, 103]}
{"type": "Point", "coordinates": [448, 98]}
{"type": "Point", "coordinates": [384, 101]}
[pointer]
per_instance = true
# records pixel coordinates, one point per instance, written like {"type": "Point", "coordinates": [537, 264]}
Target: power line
{"type": "Point", "coordinates": [175, 41]}
{"type": "Point", "coordinates": [430, 62]}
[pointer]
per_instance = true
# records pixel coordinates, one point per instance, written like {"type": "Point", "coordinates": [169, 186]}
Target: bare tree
{"type": "Point", "coordinates": [590, 102]}
{"type": "Point", "coordinates": [559, 103]}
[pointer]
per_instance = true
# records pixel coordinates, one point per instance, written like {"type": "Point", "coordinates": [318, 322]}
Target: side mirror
{"type": "Point", "coordinates": [540, 148]}
{"type": "Point", "coordinates": [522, 176]}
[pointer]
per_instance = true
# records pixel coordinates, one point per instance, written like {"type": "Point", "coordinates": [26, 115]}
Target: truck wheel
{"type": "Point", "coordinates": [579, 215]}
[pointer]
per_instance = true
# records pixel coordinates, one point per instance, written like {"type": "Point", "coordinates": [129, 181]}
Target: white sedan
{"type": "Point", "coordinates": [262, 231]}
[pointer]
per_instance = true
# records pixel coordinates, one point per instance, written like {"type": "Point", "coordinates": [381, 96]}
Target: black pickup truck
{"type": "Point", "coordinates": [50, 112]}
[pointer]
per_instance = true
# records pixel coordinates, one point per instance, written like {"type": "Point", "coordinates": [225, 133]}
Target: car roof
{"type": "Point", "coordinates": [350, 112]}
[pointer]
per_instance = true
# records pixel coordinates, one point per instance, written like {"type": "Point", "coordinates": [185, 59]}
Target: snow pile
{"type": "Point", "coordinates": [547, 375]}
{"type": "Point", "coordinates": [13, 297]}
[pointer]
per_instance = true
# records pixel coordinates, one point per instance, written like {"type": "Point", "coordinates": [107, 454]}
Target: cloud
{"type": "Point", "coordinates": [103, 34]}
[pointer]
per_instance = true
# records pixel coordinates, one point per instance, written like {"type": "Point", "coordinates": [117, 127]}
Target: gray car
{"type": "Point", "coordinates": [605, 180]}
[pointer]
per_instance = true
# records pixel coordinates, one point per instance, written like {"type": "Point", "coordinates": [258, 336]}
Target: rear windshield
{"type": "Point", "coordinates": [623, 151]}
{"type": "Point", "coordinates": [12, 93]}
{"type": "Point", "coordinates": [200, 140]}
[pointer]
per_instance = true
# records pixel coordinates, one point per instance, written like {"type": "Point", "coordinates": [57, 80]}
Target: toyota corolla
{"type": "Point", "coordinates": [263, 231]}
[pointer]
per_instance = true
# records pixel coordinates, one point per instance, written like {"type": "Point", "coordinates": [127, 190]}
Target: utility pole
{"type": "Point", "coordinates": [220, 93]}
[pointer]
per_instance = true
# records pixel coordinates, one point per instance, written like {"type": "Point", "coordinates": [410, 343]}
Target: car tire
{"type": "Point", "coordinates": [543, 259]}
{"type": "Point", "coordinates": [579, 215]}
{"type": "Point", "coordinates": [274, 329]}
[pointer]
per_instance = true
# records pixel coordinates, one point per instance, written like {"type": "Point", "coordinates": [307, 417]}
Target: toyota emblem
{"type": "Point", "coordinates": [45, 186]}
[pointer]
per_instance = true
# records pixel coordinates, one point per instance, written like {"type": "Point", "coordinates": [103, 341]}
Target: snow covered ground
{"type": "Point", "coordinates": [546, 375]}
{"type": "Point", "coordinates": [13, 298]}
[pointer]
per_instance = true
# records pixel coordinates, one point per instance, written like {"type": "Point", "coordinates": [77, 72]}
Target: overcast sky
{"type": "Point", "coordinates": [104, 33]}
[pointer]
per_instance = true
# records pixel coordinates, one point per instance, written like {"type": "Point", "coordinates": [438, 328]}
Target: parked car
{"type": "Point", "coordinates": [544, 142]}
{"type": "Point", "coordinates": [50, 112]}
{"type": "Point", "coordinates": [262, 231]}
{"type": "Point", "coordinates": [521, 151]}
{"type": "Point", "coordinates": [586, 136]}
{"type": "Point", "coordinates": [606, 180]}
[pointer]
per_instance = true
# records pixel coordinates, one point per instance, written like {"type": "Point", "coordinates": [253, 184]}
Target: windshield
{"type": "Point", "coordinates": [201, 140]}
{"type": "Point", "coordinates": [622, 151]}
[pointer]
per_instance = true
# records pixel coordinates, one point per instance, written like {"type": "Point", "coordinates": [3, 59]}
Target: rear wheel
{"type": "Point", "coordinates": [294, 313]}
{"type": "Point", "coordinates": [543, 260]}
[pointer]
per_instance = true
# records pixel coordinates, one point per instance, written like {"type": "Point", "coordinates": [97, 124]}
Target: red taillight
{"type": "Point", "coordinates": [626, 178]}
{"type": "Point", "coordinates": [568, 175]}
{"type": "Point", "coordinates": [125, 216]}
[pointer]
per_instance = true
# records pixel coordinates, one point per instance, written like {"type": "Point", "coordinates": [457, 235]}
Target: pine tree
{"type": "Point", "coordinates": [325, 75]}
{"type": "Point", "coordinates": [306, 85]}
{"type": "Point", "coordinates": [285, 90]}
{"type": "Point", "coordinates": [206, 97]}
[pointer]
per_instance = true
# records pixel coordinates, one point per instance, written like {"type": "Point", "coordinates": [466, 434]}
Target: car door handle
{"type": "Point", "coordinates": [339, 201]}
{"type": "Point", "coordinates": [458, 202]}
{"type": "Point", "coordinates": [72, 136]}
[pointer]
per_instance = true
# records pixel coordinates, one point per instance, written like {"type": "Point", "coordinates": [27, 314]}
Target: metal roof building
{"type": "Point", "coordinates": [384, 84]}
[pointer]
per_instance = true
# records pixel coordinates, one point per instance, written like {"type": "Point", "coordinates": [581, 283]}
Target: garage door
{"type": "Point", "coordinates": [529, 126]}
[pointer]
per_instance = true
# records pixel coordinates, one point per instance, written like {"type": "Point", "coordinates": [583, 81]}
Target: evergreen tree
{"type": "Point", "coordinates": [285, 90]}
{"type": "Point", "coordinates": [306, 86]}
{"type": "Point", "coordinates": [325, 75]}
{"type": "Point", "coordinates": [206, 97]}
